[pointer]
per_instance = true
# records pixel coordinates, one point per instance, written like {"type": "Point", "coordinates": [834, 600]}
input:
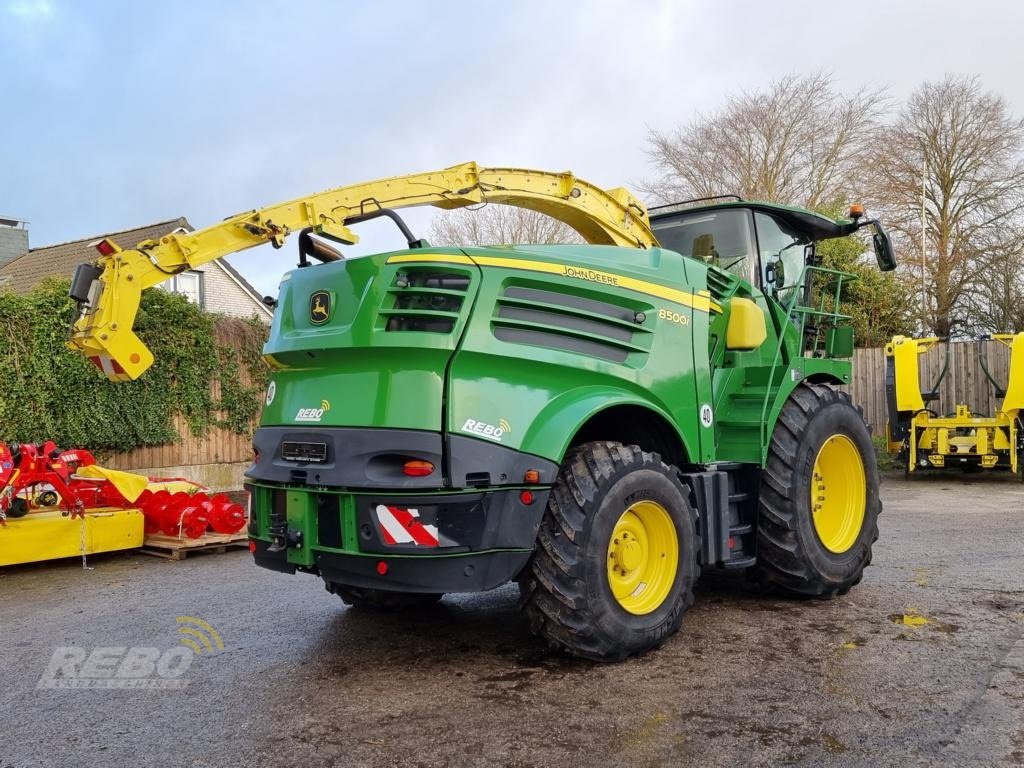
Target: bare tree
{"type": "Point", "coordinates": [797, 142]}
{"type": "Point", "coordinates": [995, 299]}
{"type": "Point", "coordinates": [498, 225]}
{"type": "Point", "coordinates": [966, 146]}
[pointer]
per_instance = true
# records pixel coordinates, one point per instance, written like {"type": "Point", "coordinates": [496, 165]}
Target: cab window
{"type": "Point", "coordinates": [721, 237]}
{"type": "Point", "coordinates": [782, 251]}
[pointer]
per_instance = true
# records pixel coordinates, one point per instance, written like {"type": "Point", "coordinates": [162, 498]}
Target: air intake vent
{"type": "Point", "coordinates": [721, 284]}
{"type": "Point", "coordinates": [591, 327]}
{"type": "Point", "coordinates": [424, 300]}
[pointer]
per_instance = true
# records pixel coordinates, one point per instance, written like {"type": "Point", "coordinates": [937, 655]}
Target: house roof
{"type": "Point", "coordinates": [24, 273]}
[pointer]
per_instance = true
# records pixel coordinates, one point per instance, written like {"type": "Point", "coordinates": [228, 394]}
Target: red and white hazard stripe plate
{"type": "Point", "coordinates": [110, 367]}
{"type": "Point", "coordinates": [401, 525]}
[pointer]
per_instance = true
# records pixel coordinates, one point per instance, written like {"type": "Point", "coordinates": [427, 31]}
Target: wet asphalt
{"type": "Point", "coordinates": [922, 664]}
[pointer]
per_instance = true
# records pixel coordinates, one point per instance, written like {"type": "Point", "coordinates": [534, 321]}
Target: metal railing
{"type": "Point", "coordinates": [800, 314]}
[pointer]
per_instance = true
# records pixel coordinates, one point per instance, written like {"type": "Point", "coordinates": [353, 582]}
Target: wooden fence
{"type": "Point", "coordinates": [218, 446]}
{"type": "Point", "coordinates": [965, 382]}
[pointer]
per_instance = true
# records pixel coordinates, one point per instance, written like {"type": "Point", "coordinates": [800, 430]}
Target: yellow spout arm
{"type": "Point", "coordinates": [109, 295]}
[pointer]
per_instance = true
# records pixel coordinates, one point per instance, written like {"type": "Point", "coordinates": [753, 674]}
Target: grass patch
{"type": "Point", "coordinates": [886, 461]}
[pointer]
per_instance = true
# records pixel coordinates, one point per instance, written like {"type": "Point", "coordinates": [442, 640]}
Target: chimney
{"type": "Point", "coordinates": [13, 239]}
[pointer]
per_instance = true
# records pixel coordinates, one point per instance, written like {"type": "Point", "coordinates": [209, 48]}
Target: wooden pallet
{"type": "Point", "coordinates": [173, 548]}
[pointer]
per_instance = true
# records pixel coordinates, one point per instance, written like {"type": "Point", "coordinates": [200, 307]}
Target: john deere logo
{"type": "Point", "coordinates": [320, 307]}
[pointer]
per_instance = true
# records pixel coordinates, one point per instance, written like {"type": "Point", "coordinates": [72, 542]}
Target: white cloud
{"type": "Point", "coordinates": [31, 11]}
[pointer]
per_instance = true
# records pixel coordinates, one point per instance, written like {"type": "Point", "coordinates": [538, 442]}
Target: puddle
{"type": "Point", "coordinates": [832, 744]}
{"type": "Point", "coordinates": [643, 734]}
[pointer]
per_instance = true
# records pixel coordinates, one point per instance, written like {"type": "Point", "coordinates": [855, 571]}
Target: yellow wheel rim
{"type": "Point", "coordinates": [643, 557]}
{"type": "Point", "coordinates": [838, 494]}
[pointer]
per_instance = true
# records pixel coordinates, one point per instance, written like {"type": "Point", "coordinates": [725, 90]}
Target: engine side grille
{"type": "Point", "coordinates": [721, 284]}
{"type": "Point", "coordinates": [562, 321]}
{"type": "Point", "coordinates": [425, 300]}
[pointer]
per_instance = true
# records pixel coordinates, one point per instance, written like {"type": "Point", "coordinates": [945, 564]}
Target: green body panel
{"type": "Point", "coordinates": [352, 371]}
{"type": "Point", "coordinates": [366, 376]}
{"type": "Point", "coordinates": [545, 394]}
{"type": "Point", "coordinates": [750, 387]}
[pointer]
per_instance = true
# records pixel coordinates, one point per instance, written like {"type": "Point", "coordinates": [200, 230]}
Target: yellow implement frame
{"type": "Point", "coordinates": [48, 535]}
{"type": "Point", "coordinates": [103, 330]}
{"type": "Point", "coordinates": [964, 438]}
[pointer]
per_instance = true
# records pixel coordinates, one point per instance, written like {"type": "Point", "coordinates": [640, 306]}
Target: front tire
{"type": "Point", "coordinates": [616, 559]}
{"type": "Point", "coordinates": [819, 501]}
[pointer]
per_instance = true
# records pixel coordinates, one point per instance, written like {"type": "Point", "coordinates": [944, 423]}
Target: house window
{"type": "Point", "coordinates": [189, 285]}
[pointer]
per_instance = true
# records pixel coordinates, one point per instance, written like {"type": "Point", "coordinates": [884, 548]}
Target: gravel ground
{"type": "Point", "coordinates": [922, 664]}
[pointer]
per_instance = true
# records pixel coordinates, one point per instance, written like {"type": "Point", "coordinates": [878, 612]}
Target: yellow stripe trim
{"type": "Point", "coordinates": [701, 300]}
{"type": "Point", "coordinates": [443, 259]}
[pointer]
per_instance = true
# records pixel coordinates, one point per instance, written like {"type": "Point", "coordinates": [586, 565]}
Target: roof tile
{"type": "Point", "coordinates": [25, 273]}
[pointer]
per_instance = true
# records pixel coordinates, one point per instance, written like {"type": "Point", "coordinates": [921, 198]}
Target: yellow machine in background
{"type": "Point", "coordinates": [50, 535]}
{"type": "Point", "coordinates": [924, 440]}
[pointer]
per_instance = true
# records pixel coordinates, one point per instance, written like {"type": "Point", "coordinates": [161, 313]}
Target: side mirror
{"type": "Point", "coordinates": [780, 275]}
{"type": "Point", "coordinates": [883, 249]}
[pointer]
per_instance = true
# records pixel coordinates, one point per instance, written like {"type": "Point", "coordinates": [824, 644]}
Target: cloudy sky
{"type": "Point", "coordinates": [115, 115]}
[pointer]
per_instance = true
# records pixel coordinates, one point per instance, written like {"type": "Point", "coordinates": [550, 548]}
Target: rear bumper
{"type": "Point", "coordinates": [464, 573]}
{"type": "Point", "coordinates": [424, 542]}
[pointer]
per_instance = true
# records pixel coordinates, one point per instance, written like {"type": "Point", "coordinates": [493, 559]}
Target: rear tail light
{"type": "Point", "coordinates": [417, 468]}
{"type": "Point", "coordinates": [106, 247]}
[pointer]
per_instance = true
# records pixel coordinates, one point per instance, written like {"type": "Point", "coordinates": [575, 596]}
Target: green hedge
{"type": "Point", "coordinates": [49, 391]}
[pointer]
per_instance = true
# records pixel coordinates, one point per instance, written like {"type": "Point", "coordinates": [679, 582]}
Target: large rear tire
{"type": "Point", "coordinates": [819, 502]}
{"type": "Point", "coordinates": [616, 557]}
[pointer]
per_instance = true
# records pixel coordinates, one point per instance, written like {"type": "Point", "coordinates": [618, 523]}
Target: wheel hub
{"type": "Point", "coordinates": [838, 493]}
{"type": "Point", "coordinates": [643, 557]}
{"type": "Point", "coordinates": [627, 553]}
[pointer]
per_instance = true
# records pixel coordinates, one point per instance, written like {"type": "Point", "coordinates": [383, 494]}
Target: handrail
{"type": "Point", "coordinates": [792, 308]}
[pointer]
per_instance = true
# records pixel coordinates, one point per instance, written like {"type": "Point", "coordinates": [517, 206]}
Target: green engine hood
{"type": "Point", "coordinates": [365, 343]}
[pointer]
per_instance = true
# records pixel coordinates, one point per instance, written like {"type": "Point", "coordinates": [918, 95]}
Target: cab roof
{"type": "Point", "coordinates": [814, 225]}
